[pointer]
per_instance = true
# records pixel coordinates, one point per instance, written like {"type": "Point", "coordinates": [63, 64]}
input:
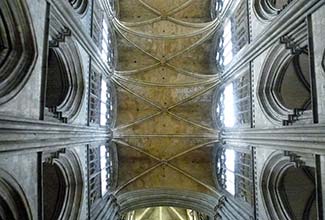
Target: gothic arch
{"type": "Point", "coordinates": [275, 187]}
{"type": "Point", "coordinates": [80, 6]}
{"type": "Point", "coordinates": [13, 202]}
{"type": "Point", "coordinates": [18, 50]}
{"type": "Point", "coordinates": [65, 77]}
{"type": "Point", "coordinates": [268, 9]}
{"type": "Point", "coordinates": [269, 88]}
{"type": "Point", "coordinates": [164, 197]}
{"type": "Point", "coordinates": [67, 165]}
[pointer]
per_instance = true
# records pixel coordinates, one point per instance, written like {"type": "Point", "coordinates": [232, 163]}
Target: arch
{"type": "Point", "coordinates": [18, 50]}
{"type": "Point", "coordinates": [70, 177]}
{"type": "Point", "coordinates": [54, 188]}
{"type": "Point", "coordinates": [279, 187]}
{"type": "Point", "coordinates": [13, 202]}
{"type": "Point", "coordinates": [241, 188]}
{"type": "Point", "coordinates": [65, 73]}
{"type": "Point", "coordinates": [166, 197]}
{"type": "Point", "coordinates": [269, 9]}
{"type": "Point", "coordinates": [80, 6]}
{"type": "Point", "coordinates": [276, 69]}
{"type": "Point", "coordinates": [97, 79]}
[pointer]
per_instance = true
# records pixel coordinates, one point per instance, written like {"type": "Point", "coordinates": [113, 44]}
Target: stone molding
{"type": "Point", "coordinates": [167, 197]}
{"type": "Point", "coordinates": [18, 54]}
{"type": "Point", "coordinates": [24, 134]}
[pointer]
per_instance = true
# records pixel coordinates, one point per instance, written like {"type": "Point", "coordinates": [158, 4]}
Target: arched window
{"type": "Point", "coordinates": [232, 103]}
{"type": "Point", "coordinates": [234, 173]}
{"type": "Point", "coordinates": [103, 35]}
{"type": "Point", "coordinates": [233, 36]}
{"type": "Point", "coordinates": [218, 6]}
{"type": "Point", "coordinates": [101, 176]}
{"type": "Point", "coordinates": [101, 100]}
{"type": "Point", "coordinates": [224, 53]}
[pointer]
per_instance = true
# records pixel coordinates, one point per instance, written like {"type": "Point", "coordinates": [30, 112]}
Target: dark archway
{"type": "Point", "coordinates": [62, 185]}
{"type": "Point", "coordinates": [54, 189]}
{"type": "Point", "coordinates": [57, 80]}
{"type": "Point", "coordinates": [13, 202]}
{"type": "Point", "coordinates": [288, 188]}
{"type": "Point", "coordinates": [293, 90]}
{"type": "Point", "coordinates": [17, 48]}
{"type": "Point", "coordinates": [64, 81]}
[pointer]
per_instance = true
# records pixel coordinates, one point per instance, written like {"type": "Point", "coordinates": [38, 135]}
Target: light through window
{"type": "Point", "coordinates": [104, 45]}
{"type": "Point", "coordinates": [229, 106]}
{"type": "Point", "coordinates": [230, 171]}
{"type": "Point", "coordinates": [234, 173]}
{"type": "Point", "coordinates": [227, 36]}
{"type": "Point", "coordinates": [103, 103]}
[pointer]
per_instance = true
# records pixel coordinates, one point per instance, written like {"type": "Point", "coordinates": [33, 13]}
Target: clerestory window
{"type": "Point", "coordinates": [100, 171]}
{"type": "Point", "coordinates": [234, 173]}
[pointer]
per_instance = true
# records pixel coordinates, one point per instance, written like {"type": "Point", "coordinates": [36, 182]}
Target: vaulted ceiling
{"type": "Point", "coordinates": [165, 82]}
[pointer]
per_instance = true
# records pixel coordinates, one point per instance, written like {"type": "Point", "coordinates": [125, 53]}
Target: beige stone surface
{"type": "Point", "coordinates": [168, 150]}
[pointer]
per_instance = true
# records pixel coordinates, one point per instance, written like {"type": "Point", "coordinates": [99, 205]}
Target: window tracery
{"type": "Point", "coordinates": [103, 35]}
{"type": "Point", "coordinates": [232, 38]}
{"type": "Point", "coordinates": [218, 6]}
{"type": "Point", "coordinates": [234, 173]}
{"type": "Point", "coordinates": [100, 100]}
{"type": "Point", "coordinates": [100, 171]}
{"type": "Point", "coordinates": [232, 104]}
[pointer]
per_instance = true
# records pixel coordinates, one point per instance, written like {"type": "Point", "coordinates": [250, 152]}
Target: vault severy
{"type": "Point", "coordinates": [164, 131]}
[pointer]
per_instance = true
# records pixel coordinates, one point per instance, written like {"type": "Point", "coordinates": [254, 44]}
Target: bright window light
{"type": "Point", "coordinates": [228, 47]}
{"type": "Point", "coordinates": [103, 163]}
{"type": "Point", "coordinates": [229, 106]}
{"type": "Point", "coordinates": [230, 170]}
{"type": "Point", "coordinates": [103, 104]}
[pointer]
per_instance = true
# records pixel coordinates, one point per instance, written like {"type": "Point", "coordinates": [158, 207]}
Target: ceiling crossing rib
{"type": "Point", "coordinates": [141, 120]}
{"type": "Point", "coordinates": [155, 11]}
{"type": "Point", "coordinates": [125, 26]}
{"type": "Point", "coordinates": [143, 83]}
{"type": "Point", "coordinates": [168, 109]}
{"type": "Point", "coordinates": [212, 189]}
{"type": "Point", "coordinates": [161, 162]}
{"type": "Point", "coordinates": [164, 137]}
{"type": "Point", "coordinates": [177, 213]}
{"type": "Point", "coordinates": [137, 149]}
{"type": "Point", "coordinates": [186, 136]}
{"type": "Point", "coordinates": [138, 177]}
{"type": "Point", "coordinates": [136, 95]}
{"type": "Point", "coordinates": [129, 72]}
